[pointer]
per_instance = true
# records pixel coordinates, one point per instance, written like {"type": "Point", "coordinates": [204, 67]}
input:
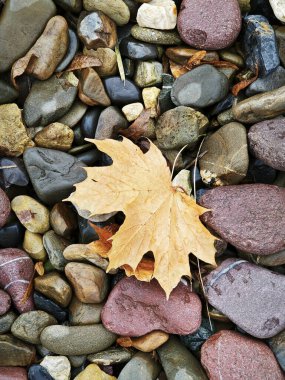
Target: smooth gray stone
{"type": "Point", "coordinates": [6, 321]}
{"type": "Point", "coordinates": [111, 356]}
{"type": "Point", "coordinates": [141, 367]}
{"type": "Point", "coordinates": [7, 92]}
{"type": "Point", "coordinates": [48, 101]}
{"type": "Point", "coordinates": [54, 246]}
{"type": "Point", "coordinates": [271, 82]}
{"type": "Point", "coordinates": [178, 363]}
{"type": "Point", "coordinates": [21, 23]}
{"type": "Point", "coordinates": [200, 87]}
{"type": "Point", "coordinates": [111, 120]}
{"type": "Point", "coordinates": [71, 51]}
{"type": "Point", "coordinates": [53, 173]}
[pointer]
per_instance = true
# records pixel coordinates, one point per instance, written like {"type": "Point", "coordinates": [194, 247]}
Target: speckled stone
{"type": "Point", "coordinates": [78, 340]}
{"type": "Point", "coordinates": [230, 355]}
{"type": "Point", "coordinates": [135, 308]}
{"type": "Point", "coordinates": [4, 208]}
{"type": "Point", "coordinates": [5, 302]}
{"type": "Point", "coordinates": [209, 25]}
{"type": "Point", "coordinates": [116, 10]}
{"type": "Point", "coordinates": [111, 356]}
{"type": "Point", "coordinates": [250, 217]}
{"type": "Point", "coordinates": [154, 36]}
{"type": "Point", "coordinates": [234, 289]}
{"type": "Point", "coordinates": [14, 352]}
{"type": "Point", "coordinates": [266, 141]}
{"type": "Point", "coordinates": [55, 136]}
{"type": "Point", "coordinates": [13, 373]}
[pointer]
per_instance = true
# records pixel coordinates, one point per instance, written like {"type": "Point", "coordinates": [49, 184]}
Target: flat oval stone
{"type": "Point", "coordinates": [260, 107]}
{"type": "Point", "coordinates": [136, 308]}
{"type": "Point", "coordinates": [53, 173]}
{"type": "Point", "coordinates": [16, 272]}
{"type": "Point", "coordinates": [234, 289]}
{"type": "Point", "coordinates": [30, 17]}
{"type": "Point", "coordinates": [5, 302]}
{"type": "Point", "coordinates": [200, 87]}
{"type": "Point", "coordinates": [14, 352]}
{"type": "Point", "coordinates": [250, 217]}
{"type": "Point", "coordinates": [209, 25]}
{"type": "Point", "coordinates": [141, 367]}
{"type": "Point", "coordinates": [133, 49]}
{"type": "Point", "coordinates": [230, 355]}
{"type": "Point", "coordinates": [5, 208]}
{"type": "Point", "coordinates": [116, 10]}
{"type": "Point", "coordinates": [77, 340]}
{"type": "Point", "coordinates": [122, 92]}
{"type": "Point", "coordinates": [13, 373]}
{"type": "Point", "coordinates": [266, 140]}
{"type": "Point", "coordinates": [111, 356]}
{"type": "Point", "coordinates": [154, 36]}
{"type": "Point", "coordinates": [225, 160]}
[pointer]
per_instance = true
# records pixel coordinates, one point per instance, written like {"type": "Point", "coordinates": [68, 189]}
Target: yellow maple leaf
{"type": "Point", "coordinates": [158, 217]}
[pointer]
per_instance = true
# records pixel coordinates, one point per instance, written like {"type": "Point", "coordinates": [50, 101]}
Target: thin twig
{"type": "Point", "coordinates": [176, 158]}
{"type": "Point", "coordinates": [8, 167]}
{"type": "Point", "coordinates": [120, 63]}
{"type": "Point", "coordinates": [193, 161]}
{"type": "Point", "coordinates": [207, 306]}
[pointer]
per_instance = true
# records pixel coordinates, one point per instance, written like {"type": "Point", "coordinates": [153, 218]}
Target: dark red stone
{"type": "Point", "coordinates": [5, 302]}
{"type": "Point", "coordinates": [135, 308]}
{"type": "Point", "coordinates": [249, 295]}
{"type": "Point", "coordinates": [267, 142]}
{"type": "Point", "coordinates": [228, 355]}
{"type": "Point", "coordinates": [5, 208]}
{"type": "Point", "coordinates": [13, 373]}
{"type": "Point", "coordinates": [16, 272]}
{"type": "Point", "coordinates": [250, 217]}
{"type": "Point", "coordinates": [209, 25]}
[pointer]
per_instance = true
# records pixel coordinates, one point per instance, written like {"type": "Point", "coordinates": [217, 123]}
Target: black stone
{"type": "Point", "coordinates": [195, 341]}
{"type": "Point", "coordinates": [45, 304]}
{"type": "Point", "coordinates": [120, 92]}
{"type": "Point", "coordinates": [78, 137]}
{"type": "Point", "coordinates": [87, 234]}
{"type": "Point", "coordinates": [260, 45]}
{"type": "Point", "coordinates": [124, 31]}
{"type": "Point", "coordinates": [12, 234]}
{"type": "Point", "coordinates": [89, 122]}
{"type": "Point", "coordinates": [37, 372]}
{"type": "Point", "coordinates": [223, 105]}
{"type": "Point", "coordinates": [259, 172]}
{"type": "Point", "coordinates": [16, 175]}
{"type": "Point", "coordinates": [90, 157]}
{"type": "Point", "coordinates": [133, 7]}
{"type": "Point", "coordinates": [164, 99]}
{"type": "Point", "coordinates": [7, 92]}
{"type": "Point", "coordinates": [53, 173]}
{"type": "Point", "coordinates": [71, 51]}
{"type": "Point", "coordinates": [134, 49]}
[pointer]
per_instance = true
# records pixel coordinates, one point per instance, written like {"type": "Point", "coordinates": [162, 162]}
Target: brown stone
{"type": "Point", "coordinates": [225, 156]}
{"type": "Point", "coordinates": [5, 208]}
{"type": "Point", "coordinates": [91, 89]}
{"type": "Point", "coordinates": [83, 313]}
{"type": "Point", "coordinates": [90, 283]}
{"type": "Point", "coordinates": [181, 55]}
{"type": "Point", "coordinates": [145, 343]}
{"type": "Point", "coordinates": [108, 58]}
{"type": "Point", "coordinates": [13, 135]}
{"type": "Point", "coordinates": [250, 217]}
{"type": "Point", "coordinates": [260, 107]}
{"type": "Point", "coordinates": [53, 286]}
{"type": "Point", "coordinates": [135, 308]}
{"type": "Point", "coordinates": [43, 58]}
{"type": "Point", "coordinates": [13, 373]}
{"type": "Point", "coordinates": [209, 25]}
{"type": "Point", "coordinates": [5, 302]}
{"type": "Point", "coordinates": [55, 136]}
{"type": "Point", "coordinates": [16, 272]}
{"type": "Point", "coordinates": [229, 355]}
{"type": "Point", "coordinates": [63, 220]}
{"type": "Point", "coordinates": [14, 352]}
{"type": "Point", "coordinates": [96, 30]}
{"type": "Point", "coordinates": [234, 288]}
{"type": "Point", "coordinates": [266, 140]}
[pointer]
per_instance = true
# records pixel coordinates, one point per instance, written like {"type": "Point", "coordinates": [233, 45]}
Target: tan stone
{"type": "Point", "coordinates": [53, 286]}
{"type": "Point", "coordinates": [84, 252]}
{"type": "Point", "coordinates": [55, 136]}
{"type": "Point", "coordinates": [150, 98]}
{"type": "Point", "coordinates": [84, 313]}
{"type": "Point", "coordinates": [13, 135]}
{"type": "Point", "coordinates": [116, 10]}
{"type": "Point", "coordinates": [91, 89]}
{"type": "Point", "coordinates": [92, 371]}
{"type": "Point", "coordinates": [145, 343]}
{"type": "Point", "coordinates": [33, 245]}
{"type": "Point", "coordinates": [108, 58]}
{"type": "Point", "coordinates": [90, 283]}
{"type": "Point", "coordinates": [32, 214]}
{"type": "Point", "coordinates": [158, 14]}
{"type": "Point", "coordinates": [132, 111]}
{"type": "Point", "coordinates": [63, 220]}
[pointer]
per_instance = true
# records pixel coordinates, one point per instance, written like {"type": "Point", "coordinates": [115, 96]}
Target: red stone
{"type": "Point", "coordinates": [209, 25]}
{"type": "Point", "coordinates": [250, 217]}
{"type": "Point", "coordinates": [5, 208]}
{"type": "Point", "coordinates": [135, 308]}
{"type": "Point", "coordinates": [249, 295]}
{"type": "Point", "coordinates": [13, 373]}
{"type": "Point", "coordinates": [16, 272]}
{"type": "Point", "coordinates": [229, 355]}
{"type": "Point", "coordinates": [5, 302]}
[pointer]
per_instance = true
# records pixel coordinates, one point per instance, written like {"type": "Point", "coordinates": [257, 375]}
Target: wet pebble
{"type": "Point", "coordinates": [84, 313]}
{"type": "Point", "coordinates": [54, 246]}
{"type": "Point", "coordinates": [63, 220]}
{"type": "Point", "coordinates": [122, 93]}
{"type": "Point", "coordinates": [47, 305]}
